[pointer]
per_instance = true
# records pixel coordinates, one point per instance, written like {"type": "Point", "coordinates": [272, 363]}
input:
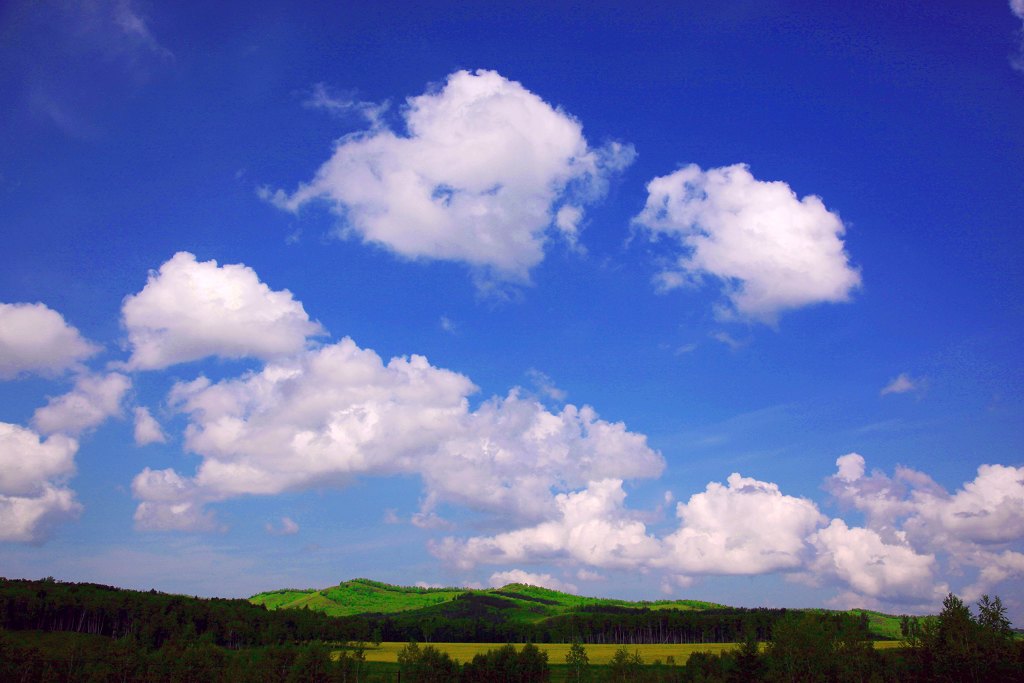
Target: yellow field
{"type": "Point", "coordinates": [598, 654]}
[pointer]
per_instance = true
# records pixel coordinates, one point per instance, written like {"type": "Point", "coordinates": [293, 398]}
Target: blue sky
{"type": "Point", "coordinates": [717, 302]}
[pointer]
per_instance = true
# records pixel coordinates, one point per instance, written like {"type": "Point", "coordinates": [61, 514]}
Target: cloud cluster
{"type": "Point", "coordinates": [750, 527]}
{"type": "Point", "coordinates": [770, 250]}
{"type": "Point", "coordinates": [330, 414]}
{"type": "Point", "coordinates": [485, 169]}
{"type": "Point", "coordinates": [190, 310]}
{"type": "Point", "coordinates": [32, 499]}
{"type": "Point", "coordinates": [36, 339]}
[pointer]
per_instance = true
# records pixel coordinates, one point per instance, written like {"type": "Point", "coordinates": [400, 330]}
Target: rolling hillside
{"type": "Point", "coordinates": [530, 603]}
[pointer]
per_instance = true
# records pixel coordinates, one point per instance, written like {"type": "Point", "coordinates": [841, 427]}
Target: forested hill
{"type": "Point", "coordinates": [367, 610]}
{"type": "Point", "coordinates": [523, 612]}
{"type": "Point", "coordinates": [531, 603]}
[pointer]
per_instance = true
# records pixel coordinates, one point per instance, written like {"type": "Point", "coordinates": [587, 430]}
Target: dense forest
{"type": "Point", "coordinates": [54, 631]}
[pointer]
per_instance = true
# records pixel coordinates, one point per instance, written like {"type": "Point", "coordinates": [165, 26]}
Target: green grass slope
{"type": "Point", "coordinates": [524, 602]}
{"type": "Point", "coordinates": [516, 602]}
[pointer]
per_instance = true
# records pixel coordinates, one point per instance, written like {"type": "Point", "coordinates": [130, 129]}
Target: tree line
{"type": "Point", "coordinates": [54, 631]}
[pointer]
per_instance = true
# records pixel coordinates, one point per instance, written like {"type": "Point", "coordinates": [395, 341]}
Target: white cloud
{"type": "Point", "coordinates": [901, 384]}
{"type": "Point", "coordinates": [189, 310]}
{"type": "Point", "coordinates": [870, 566]}
{"type": "Point", "coordinates": [334, 413]}
{"type": "Point", "coordinates": [591, 526]}
{"type": "Point", "coordinates": [31, 518]}
{"type": "Point", "coordinates": [170, 503]}
{"type": "Point", "coordinates": [994, 569]}
{"type": "Point", "coordinates": [147, 429]}
{"type": "Point", "coordinates": [35, 339]}
{"type": "Point", "coordinates": [27, 462]}
{"type": "Point", "coordinates": [485, 169]}
{"type": "Point", "coordinates": [771, 250]}
{"type": "Point", "coordinates": [977, 526]}
{"type": "Point", "coordinates": [93, 399]}
{"type": "Point", "coordinates": [31, 469]}
{"type": "Point", "coordinates": [500, 579]}
{"type": "Point", "coordinates": [750, 527]}
{"type": "Point", "coordinates": [987, 510]}
{"type": "Point", "coordinates": [745, 527]}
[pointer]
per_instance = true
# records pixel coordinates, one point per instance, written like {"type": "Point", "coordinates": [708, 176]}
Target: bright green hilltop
{"type": "Point", "coordinates": [363, 596]}
{"type": "Point", "coordinates": [532, 603]}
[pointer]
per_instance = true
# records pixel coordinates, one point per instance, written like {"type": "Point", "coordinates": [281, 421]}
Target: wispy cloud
{"type": "Point", "coordinates": [901, 384]}
{"type": "Point", "coordinates": [343, 104]}
{"type": "Point", "coordinates": [1017, 60]}
{"type": "Point", "coordinates": [546, 386]}
{"type": "Point", "coordinates": [134, 27]}
{"type": "Point", "coordinates": [728, 340]}
{"type": "Point", "coordinates": [286, 527]}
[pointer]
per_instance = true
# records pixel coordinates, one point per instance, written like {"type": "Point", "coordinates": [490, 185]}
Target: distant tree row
{"type": "Point", "coordinates": [152, 618]}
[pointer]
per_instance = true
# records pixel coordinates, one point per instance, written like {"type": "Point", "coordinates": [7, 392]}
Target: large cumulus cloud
{"type": "Point", "coordinates": [32, 470]}
{"type": "Point", "coordinates": [189, 310]}
{"type": "Point", "coordinates": [483, 171]}
{"type": "Point", "coordinates": [35, 339]}
{"type": "Point", "coordinates": [769, 250]}
{"type": "Point", "coordinates": [337, 412]}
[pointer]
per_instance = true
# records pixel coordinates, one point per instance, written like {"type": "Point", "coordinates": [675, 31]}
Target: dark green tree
{"type": "Point", "coordinates": [579, 662]}
{"type": "Point", "coordinates": [625, 666]}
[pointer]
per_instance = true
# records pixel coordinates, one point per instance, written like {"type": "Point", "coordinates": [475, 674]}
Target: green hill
{"type": "Point", "coordinates": [518, 601]}
{"type": "Point", "coordinates": [513, 604]}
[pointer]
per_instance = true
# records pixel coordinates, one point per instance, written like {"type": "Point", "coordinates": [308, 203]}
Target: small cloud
{"type": "Point", "coordinates": [685, 349]}
{"type": "Point", "coordinates": [341, 104]}
{"type": "Point", "coordinates": [545, 385]}
{"type": "Point", "coordinates": [902, 384]}
{"type": "Point", "coordinates": [147, 429]}
{"type": "Point", "coordinates": [430, 520]}
{"type": "Point", "coordinates": [391, 516]}
{"type": "Point", "coordinates": [667, 280]}
{"type": "Point", "coordinates": [93, 399]}
{"type": "Point", "coordinates": [288, 527]}
{"type": "Point", "coordinates": [728, 340]}
{"type": "Point", "coordinates": [448, 325]}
